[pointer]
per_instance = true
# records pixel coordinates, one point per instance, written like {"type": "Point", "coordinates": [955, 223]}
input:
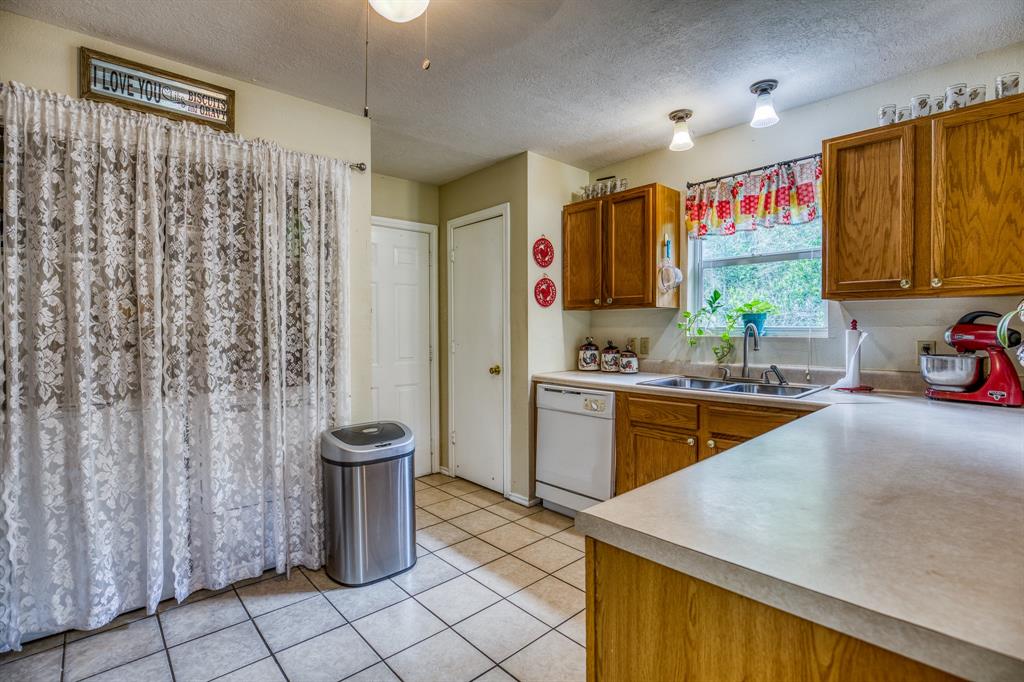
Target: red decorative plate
{"type": "Point", "coordinates": [543, 252]}
{"type": "Point", "coordinates": [545, 291]}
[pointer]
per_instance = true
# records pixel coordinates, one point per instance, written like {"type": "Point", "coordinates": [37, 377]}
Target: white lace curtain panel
{"type": "Point", "coordinates": [174, 321]}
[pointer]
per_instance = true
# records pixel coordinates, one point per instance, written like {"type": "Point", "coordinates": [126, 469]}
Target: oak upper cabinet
{"type": "Point", "coordinates": [977, 236]}
{"type": "Point", "coordinates": [869, 211]}
{"type": "Point", "coordinates": [612, 247]}
{"type": "Point", "coordinates": [928, 207]}
{"type": "Point", "coordinates": [582, 261]}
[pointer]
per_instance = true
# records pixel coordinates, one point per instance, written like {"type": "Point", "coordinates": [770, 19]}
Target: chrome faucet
{"type": "Point", "coordinates": [751, 327]}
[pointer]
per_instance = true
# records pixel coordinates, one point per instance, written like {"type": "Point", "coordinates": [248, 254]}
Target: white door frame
{"type": "Point", "coordinates": [435, 400]}
{"type": "Point", "coordinates": [500, 211]}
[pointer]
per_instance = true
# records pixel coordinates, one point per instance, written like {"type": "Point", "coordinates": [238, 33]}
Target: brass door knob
{"type": "Point", "coordinates": [936, 282]}
{"type": "Point", "coordinates": [690, 440]}
{"type": "Point", "coordinates": [597, 301]}
{"type": "Point", "coordinates": [905, 283]}
{"type": "Point", "coordinates": [711, 444]}
{"type": "Point", "coordinates": [496, 370]}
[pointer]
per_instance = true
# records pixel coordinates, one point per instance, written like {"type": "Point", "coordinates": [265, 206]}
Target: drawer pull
{"type": "Point", "coordinates": [905, 283]}
{"type": "Point", "coordinates": [711, 444]}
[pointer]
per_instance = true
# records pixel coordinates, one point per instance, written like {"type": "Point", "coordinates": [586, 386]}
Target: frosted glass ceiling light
{"type": "Point", "coordinates": [764, 109]}
{"type": "Point", "coordinates": [681, 139]}
{"type": "Point", "coordinates": [400, 11]}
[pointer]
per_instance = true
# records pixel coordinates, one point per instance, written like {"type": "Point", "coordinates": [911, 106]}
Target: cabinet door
{"type": "Point", "coordinates": [977, 238]}
{"type": "Point", "coordinates": [582, 226]}
{"type": "Point", "coordinates": [629, 248]}
{"type": "Point", "coordinates": [869, 212]}
{"type": "Point", "coordinates": [658, 453]}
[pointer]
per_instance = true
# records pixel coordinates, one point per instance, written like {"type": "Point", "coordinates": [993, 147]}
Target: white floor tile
{"type": "Point", "coordinates": [375, 673]}
{"type": "Point", "coordinates": [469, 554]}
{"type": "Point", "coordinates": [548, 555]}
{"type": "Point", "coordinates": [201, 618]}
{"type": "Point", "coordinates": [152, 668]}
{"type": "Point", "coordinates": [457, 599]}
{"type": "Point", "coordinates": [279, 591]}
{"type": "Point", "coordinates": [501, 630]}
{"type": "Point", "coordinates": [41, 667]}
{"type": "Point", "coordinates": [328, 657]}
{"type": "Point", "coordinates": [217, 654]}
{"type": "Point", "coordinates": [507, 575]}
{"type": "Point", "coordinates": [356, 602]}
{"type": "Point", "coordinates": [265, 670]}
{"type": "Point", "coordinates": [550, 600]}
{"type": "Point", "coordinates": [293, 624]}
{"type": "Point", "coordinates": [428, 572]}
{"type": "Point", "coordinates": [397, 627]}
{"type": "Point", "coordinates": [445, 657]}
{"type": "Point", "coordinates": [112, 648]}
{"type": "Point", "coordinates": [552, 658]}
{"type": "Point", "coordinates": [576, 628]}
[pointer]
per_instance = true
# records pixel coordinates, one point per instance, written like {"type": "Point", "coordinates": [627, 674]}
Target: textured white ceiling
{"type": "Point", "coordinates": [588, 82]}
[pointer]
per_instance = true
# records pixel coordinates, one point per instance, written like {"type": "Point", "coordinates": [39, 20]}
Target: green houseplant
{"type": "Point", "coordinates": [695, 325]}
{"type": "Point", "coordinates": [755, 312]}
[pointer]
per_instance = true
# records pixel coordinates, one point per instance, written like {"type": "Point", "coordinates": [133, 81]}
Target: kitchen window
{"type": "Point", "coordinates": [781, 265]}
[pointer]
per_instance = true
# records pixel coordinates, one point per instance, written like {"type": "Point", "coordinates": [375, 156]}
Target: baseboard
{"type": "Point", "coordinates": [520, 499]}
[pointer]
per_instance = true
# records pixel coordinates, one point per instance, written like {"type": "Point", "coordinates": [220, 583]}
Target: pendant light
{"type": "Point", "coordinates": [400, 11]}
{"type": "Point", "coordinates": [764, 109]}
{"type": "Point", "coordinates": [681, 139]}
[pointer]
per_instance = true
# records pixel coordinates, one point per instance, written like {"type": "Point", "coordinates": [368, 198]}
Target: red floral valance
{"type": "Point", "coordinates": [782, 194]}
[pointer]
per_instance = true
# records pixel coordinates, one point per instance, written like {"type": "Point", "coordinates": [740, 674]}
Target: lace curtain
{"type": "Point", "coordinates": [174, 314]}
{"type": "Point", "coordinates": [783, 194]}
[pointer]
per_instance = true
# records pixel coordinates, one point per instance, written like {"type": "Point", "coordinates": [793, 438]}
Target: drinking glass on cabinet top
{"type": "Point", "coordinates": [903, 114]}
{"type": "Point", "coordinates": [920, 106]}
{"type": "Point", "coordinates": [975, 94]}
{"type": "Point", "coordinates": [1007, 84]}
{"type": "Point", "coordinates": [886, 114]}
{"type": "Point", "coordinates": [939, 104]}
{"type": "Point", "coordinates": [956, 96]}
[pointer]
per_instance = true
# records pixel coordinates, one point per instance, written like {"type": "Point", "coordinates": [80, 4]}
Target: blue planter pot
{"type": "Point", "coordinates": [757, 318]}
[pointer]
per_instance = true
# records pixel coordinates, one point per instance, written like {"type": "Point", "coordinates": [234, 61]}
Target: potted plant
{"type": "Point", "coordinates": [755, 311]}
{"type": "Point", "coordinates": [1003, 329]}
{"type": "Point", "coordinates": [694, 325]}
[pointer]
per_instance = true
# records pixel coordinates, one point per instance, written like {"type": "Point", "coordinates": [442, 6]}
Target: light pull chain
{"type": "Point", "coordinates": [426, 60]}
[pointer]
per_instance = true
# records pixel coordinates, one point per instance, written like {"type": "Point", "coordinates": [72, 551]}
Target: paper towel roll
{"type": "Point", "coordinates": [854, 339]}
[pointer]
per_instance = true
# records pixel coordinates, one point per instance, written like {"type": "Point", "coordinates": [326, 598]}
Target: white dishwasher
{"type": "Point", "coordinates": [575, 447]}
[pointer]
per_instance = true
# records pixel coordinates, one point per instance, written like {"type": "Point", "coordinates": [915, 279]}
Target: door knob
{"type": "Point", "coordinates": [609, 300]}
{"type": "Point", "coordinates": [936, 282]}
{"type": "Point", "coordinates": [711, 444]}
{"type": "Point", "coordinates": [690, 441]}
{"type": "Point", "coordinates": [496, 370]}
{"type": "Point", "coordinates": [597, 301]}
{"type": "Point", "coordinates": [905, 283]}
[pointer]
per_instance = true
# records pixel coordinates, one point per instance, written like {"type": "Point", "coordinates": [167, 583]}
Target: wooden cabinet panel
{"type": "Point", "coordinates": [740, 423]}
{"type": "Point", "coordinates": [629, 245]}
{"type": "Point", "coordinates": [658, 453]}
{"type": "Point", "coordinates": [977, 237]}
{"type": "Point", "coordinates": [709, 447]}
{"type": "Point", "coordinates": [869, 211]}
{"type": "Point", "coordinates": [662, 412]}
{"type": "Point", "coordinates": [582, 259]}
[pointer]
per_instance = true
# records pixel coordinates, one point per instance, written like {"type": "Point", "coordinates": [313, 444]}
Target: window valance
{"type": "Point", "coordinates": [779, 194]}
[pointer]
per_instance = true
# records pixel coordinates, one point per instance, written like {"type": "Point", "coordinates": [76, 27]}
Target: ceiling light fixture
{"type": "Point", "coordinates": [681, 139]}
{"type": "Point", "coordinates": [764, 109]}
{"type": "Point", "coordinates": [400, 11]}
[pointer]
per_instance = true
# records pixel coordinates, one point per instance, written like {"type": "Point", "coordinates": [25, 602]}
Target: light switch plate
{"type": "Point", "coordinates": [645, 346]}
{"type": "Point", "coordinates": [926, 347]}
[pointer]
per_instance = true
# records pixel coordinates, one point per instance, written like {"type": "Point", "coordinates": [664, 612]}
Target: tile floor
{"type": "Point", "coordinates": [496, 594]}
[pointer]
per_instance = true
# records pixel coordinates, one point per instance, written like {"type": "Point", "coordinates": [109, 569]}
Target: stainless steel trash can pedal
{"type": "Point", "coordinates": [369, 509]}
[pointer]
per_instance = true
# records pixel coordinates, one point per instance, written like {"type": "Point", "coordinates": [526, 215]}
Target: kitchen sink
{"type": "Point", "coordinates": [697, 383]}
{"type": "Point", "coordinates": [788, 391]}
{"type": "Point", "coordinates": [737, 385]}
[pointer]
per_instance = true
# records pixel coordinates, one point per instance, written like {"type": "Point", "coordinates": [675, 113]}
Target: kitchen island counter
{"type": "Point", "coordinates": [893, 519]}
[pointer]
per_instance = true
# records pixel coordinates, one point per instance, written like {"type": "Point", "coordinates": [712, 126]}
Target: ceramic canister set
{"type": "Point", "coordinates": [608, 359]}
{"type": "Point", "coordinates": [957, 96]}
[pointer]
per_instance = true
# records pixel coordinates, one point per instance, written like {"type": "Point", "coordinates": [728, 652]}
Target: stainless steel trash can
{"type": "Point", "coordinates": [369, 513]}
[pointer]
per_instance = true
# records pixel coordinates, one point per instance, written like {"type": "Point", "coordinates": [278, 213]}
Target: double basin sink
{"type": "Point", "coordinates": [745, 386]}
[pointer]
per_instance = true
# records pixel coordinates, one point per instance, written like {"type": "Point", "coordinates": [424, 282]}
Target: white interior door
{"type": "Point", "coordinates": [400, 334]}
{"type": "Point", "coordinates": [478, 351]}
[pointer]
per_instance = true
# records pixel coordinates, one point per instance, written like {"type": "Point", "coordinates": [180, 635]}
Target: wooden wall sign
{"type": "Point", "coordinates": [106, 78]}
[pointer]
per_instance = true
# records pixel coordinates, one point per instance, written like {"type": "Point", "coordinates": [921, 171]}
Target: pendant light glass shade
{"type": "Point", "coordinates": [399, 11]}
{"type": "Point", "coordinates": [764, 108]}
{"type": "Point", "coordinates": [681, 138]}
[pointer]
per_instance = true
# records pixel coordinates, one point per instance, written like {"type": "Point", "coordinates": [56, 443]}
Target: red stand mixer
{"type": "Point", "coordinates": [962, 377]}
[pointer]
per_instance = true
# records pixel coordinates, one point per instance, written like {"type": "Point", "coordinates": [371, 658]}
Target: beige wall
{"type": "Point", "coordinates": [894, 325]}
{"type": "Point", "coordinates": [44, 56]}
{"type": "Point", "coordinates": [403, 199]}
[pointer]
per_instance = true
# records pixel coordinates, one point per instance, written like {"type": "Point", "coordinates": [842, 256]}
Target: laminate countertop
{"type": "Point", "coordinates": [891, 518]}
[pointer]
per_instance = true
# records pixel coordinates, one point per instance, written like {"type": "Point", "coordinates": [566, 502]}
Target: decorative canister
{"type": "Point", "coordinates": [886, 114]}
{"type": "Point", "coordinates": [589, 359]}
{"type": "Point", "coordinates": [956, 96]}
{"type": "Point", "coordinates": [920, 106]}
{"type": "Point", "coordinates": [610, 358]}
{"type": "Point", "coordinates": [1007, 84]}
{"type": "Point", "coordinates": [628, 362]}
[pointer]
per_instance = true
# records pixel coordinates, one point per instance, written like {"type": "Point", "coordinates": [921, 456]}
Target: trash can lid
{"type": "Point", "coordinates": [367, 442]}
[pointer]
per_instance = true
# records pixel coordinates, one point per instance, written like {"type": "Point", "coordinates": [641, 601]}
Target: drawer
{"type": "Point", "coordinates": [662, 412]}
{"type": "Point", "coordinates": [745, 422]}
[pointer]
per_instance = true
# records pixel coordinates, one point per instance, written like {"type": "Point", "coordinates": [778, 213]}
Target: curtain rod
{"type": "Point", "coordinates": [361, 166]}
{"type": "Point", "coordinates": [751, 170]}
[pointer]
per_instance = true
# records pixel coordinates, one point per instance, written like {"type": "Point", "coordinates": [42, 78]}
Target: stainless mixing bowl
{"type": "Point", "coordinates": [952, 372]}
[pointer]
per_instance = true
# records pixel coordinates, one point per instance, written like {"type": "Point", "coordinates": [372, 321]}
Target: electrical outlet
{"type": "Point", "coordinates": [645, 346]}
{"type": "Point", "coordinates": [925, 347]}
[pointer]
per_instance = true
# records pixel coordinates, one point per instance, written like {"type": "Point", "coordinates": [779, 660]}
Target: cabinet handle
{"type": "Point", "coordinates": [711, 444]}
{"type": "Point", "coordinates": [905, 283]}
{"type": "Point", "coordinates": [936, 282]}
{"type": "Point", "coordinates": [690, 440]}
{"type": "Point", "coordinates": [608, 300]}
{"type": "Point", "coordinates": [597, 301]}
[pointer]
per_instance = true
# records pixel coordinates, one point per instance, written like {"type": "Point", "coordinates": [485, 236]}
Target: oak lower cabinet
{"type": "Point", "coordinates": [927, 207]}
{"type": "Point", "coordinates": [656, 436]}
{"type": "Point", "coordinates": [612, 247]}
